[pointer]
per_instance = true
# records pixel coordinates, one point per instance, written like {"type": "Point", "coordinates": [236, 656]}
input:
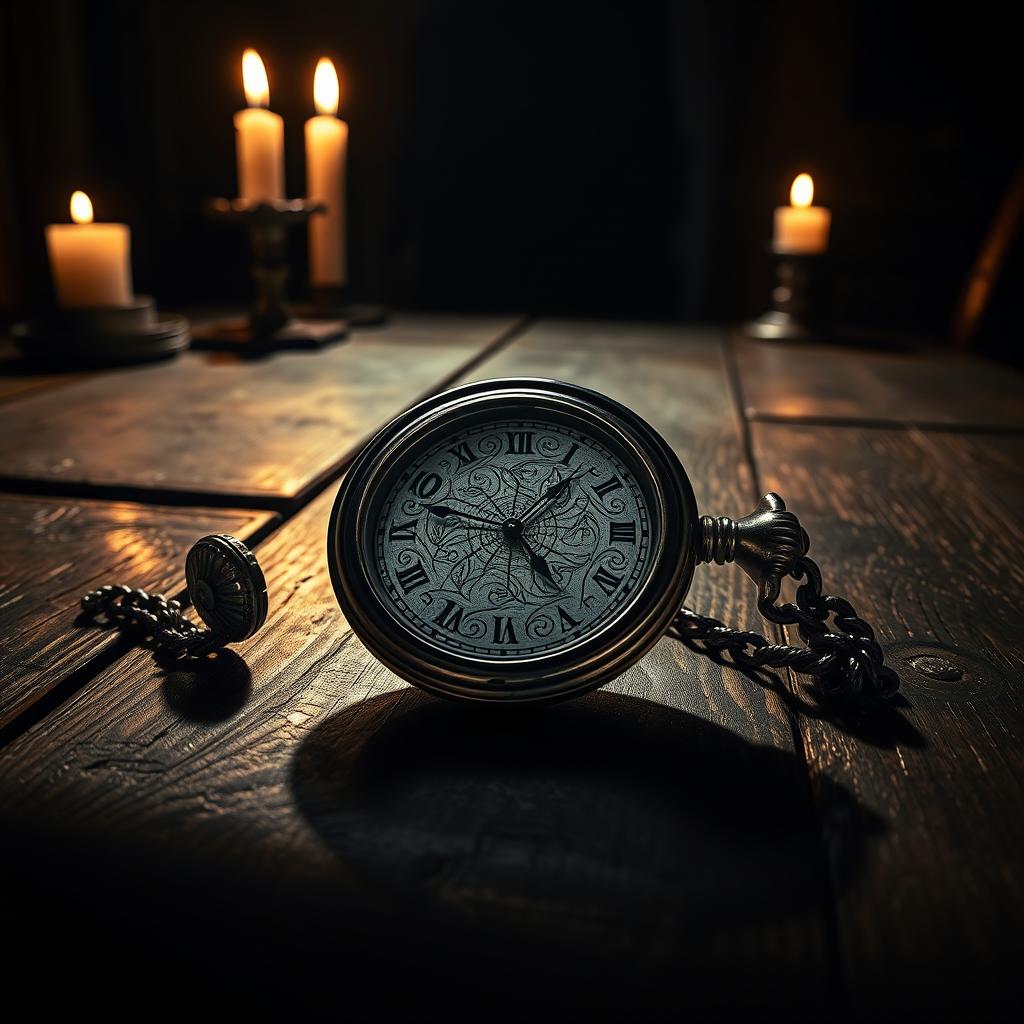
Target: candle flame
{"type": "Point", "coordinates": [254, 80]}
{"type": "Point", "coordinates": [325, 87]}
{"type": "Point", "coordinates": [801, 192]}
{"type": "Point", "coordinates": [81, 208]}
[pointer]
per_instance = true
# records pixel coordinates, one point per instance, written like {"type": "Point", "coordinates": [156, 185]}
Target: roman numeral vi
{"type": "Point", "coordinates": [504, 632]}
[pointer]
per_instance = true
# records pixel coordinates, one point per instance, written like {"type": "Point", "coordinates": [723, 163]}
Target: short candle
{"type": "Point", "coordinates": [326, 153]}
{"type": "Point", "coordinates": [90, 263]}
{"type": "Point", "coordinates": [259, 141]}
{"type": "Point", "coordinates": [801, 228]}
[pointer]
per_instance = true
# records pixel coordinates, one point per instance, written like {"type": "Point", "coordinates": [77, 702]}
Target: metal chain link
{"type": "Point", "coordinates": [846, 659]}
{"type": "Point", "coordinates": [153, 617]}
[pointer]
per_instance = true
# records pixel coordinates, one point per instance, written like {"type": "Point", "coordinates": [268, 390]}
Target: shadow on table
{"type": "Point", "coordinates": [210, 689]}
{"type": "Point", "coordinates": [608, 823]}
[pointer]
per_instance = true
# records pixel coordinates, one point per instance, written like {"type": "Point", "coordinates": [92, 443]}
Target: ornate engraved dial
{"type": "Point", "coordinates": [511, 538]}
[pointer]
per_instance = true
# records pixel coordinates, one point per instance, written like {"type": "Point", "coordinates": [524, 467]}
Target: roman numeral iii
{"type": "Point", "coordinates": [411, 578]}
{"type": "Point", "coordinates": [624, 532]}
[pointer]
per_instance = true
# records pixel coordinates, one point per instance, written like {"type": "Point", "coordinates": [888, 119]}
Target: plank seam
{"type": "Point", "coordinates": [833, 949]}
{"type": "Point", "coordinates": [753, 416]}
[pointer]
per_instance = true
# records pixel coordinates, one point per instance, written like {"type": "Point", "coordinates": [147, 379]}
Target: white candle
{"type": "Point", "coordinates": [90, 263]}
{"type": "Point", "coordinates": [326, 153]}
{"type": "Point", "coordinates": [801, 227]}
{"type": "Point", "coordinates": [259, 143]}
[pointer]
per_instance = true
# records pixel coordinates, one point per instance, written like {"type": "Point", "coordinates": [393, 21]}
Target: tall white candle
{"type": "Point", "coordinates": [801, 227]}
{"type": "Point", "coordinates": [90, 263]}
{"type": "Point", "coordinates": [326, 155]}
{"type": "Point", "coordinates": [259, 143]}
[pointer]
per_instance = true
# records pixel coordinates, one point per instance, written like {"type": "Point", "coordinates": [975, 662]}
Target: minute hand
{"type": "Point", "coordinates": [549, 495]}
{"type": "Point", "coordinates": [443, 511]}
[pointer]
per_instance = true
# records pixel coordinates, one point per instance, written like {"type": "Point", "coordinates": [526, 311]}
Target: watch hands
{"type": "Point", "coordinates": [549, 495]}
{"type": "Point", "coordinates": [537, 563]}
{"type": "Point", "coordinates": [444, 511]}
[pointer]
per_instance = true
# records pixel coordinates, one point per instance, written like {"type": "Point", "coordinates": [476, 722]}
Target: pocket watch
{"type": "Point", "coordinates": [526, 539]}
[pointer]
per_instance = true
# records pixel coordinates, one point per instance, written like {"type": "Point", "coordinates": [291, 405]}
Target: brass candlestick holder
{"type": "Point", "coordinates": [270, 325]}
{"type": "Point", "coordinates": [797, 312]}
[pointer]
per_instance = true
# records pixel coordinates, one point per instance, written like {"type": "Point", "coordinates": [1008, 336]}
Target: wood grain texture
{"type": "Point", "coordinates": [53, 551]}
{"type": "Point", "coordinates": [654, 839]}
{"type": "Point", "coordinates": [817, 382]}
{"type": "Point", "coordinates": [214, 428]}
{"type": "Point", "coordinates": [923, 532]}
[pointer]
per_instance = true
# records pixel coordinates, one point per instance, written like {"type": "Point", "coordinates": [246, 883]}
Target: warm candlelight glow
{"type": "Point", "coordinates": [81, 208]}
{"type": "Point", "coordinates": [325, 87]}
{"type": "Point", "coordinates": [801, 193]}
{"type": "Point", "coordinates": [254, 80]}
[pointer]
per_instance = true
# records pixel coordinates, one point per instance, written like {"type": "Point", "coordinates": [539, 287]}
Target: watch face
{"type": "Point", "coordinates": [512, 540]}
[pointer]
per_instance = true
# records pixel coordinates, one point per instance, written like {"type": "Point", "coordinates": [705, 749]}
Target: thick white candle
{"type": "Point", "coordinates": [90, 263]}
{"type": "Point", "coordinates": [259, 143]}
{"type": "Point", "coordinates": [326, 154]}
{"type": "Point", "coordinates": [801, 227]}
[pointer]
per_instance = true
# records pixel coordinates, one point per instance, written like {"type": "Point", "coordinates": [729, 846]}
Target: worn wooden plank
{"type": "Point", "coordinates": [650, 839]}
{"type": "Point", "coordinates": [18, 377]}
{"type": "Point", "coordinates": [832, 383]}
{"type": "Point", "coordinates": [923, 532]}
{"type": "Point", "coordinates": [52, 551]}
{"type": "Point", "coordinates": [219, 430]}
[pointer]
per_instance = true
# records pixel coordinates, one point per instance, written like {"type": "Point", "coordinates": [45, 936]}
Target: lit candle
{"type": "Point", "coordinates": [326, 151]}
{"type": "Point", "coordinates": [90, 263]}
{"type": "Point", "coordinates": [801, 227]}
{"type": "Point", "coordinates": [260, 140]}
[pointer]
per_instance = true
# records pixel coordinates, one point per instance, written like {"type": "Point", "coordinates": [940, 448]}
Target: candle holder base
{"type": "Point", "coordinates": [328, 302]}
{"type": "Point", "coordinates": [103, 336]}
{"type": "Point", "coordinates": [238, 336]}
{"type": "Point", "coordinates": [270, 325]}
{"type": "Point", "coordinates": [797, 312]}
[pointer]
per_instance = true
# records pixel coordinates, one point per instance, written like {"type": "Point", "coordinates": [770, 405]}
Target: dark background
{"type": "Point", "coordinates": [583, 159]}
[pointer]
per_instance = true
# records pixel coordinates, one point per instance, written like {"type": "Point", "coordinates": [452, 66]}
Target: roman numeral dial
{"type": "Point", "coordinates": [511, 538]}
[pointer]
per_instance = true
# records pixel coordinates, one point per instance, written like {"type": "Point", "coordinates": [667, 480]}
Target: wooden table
{"type": "Point", "coordinates": [291, 819]}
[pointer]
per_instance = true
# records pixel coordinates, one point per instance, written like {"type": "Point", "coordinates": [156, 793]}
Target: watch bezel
{"type": "Point", "coordinates": [548, 676]}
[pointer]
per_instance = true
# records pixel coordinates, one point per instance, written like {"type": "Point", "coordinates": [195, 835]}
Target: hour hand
{"type": "Point", "coordinates": [537, 563]}
{"type": "Point", "coordinates": [443, 511]}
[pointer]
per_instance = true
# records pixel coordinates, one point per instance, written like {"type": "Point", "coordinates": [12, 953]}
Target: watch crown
{"type": "Point", "coordinates": [767, 544]}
